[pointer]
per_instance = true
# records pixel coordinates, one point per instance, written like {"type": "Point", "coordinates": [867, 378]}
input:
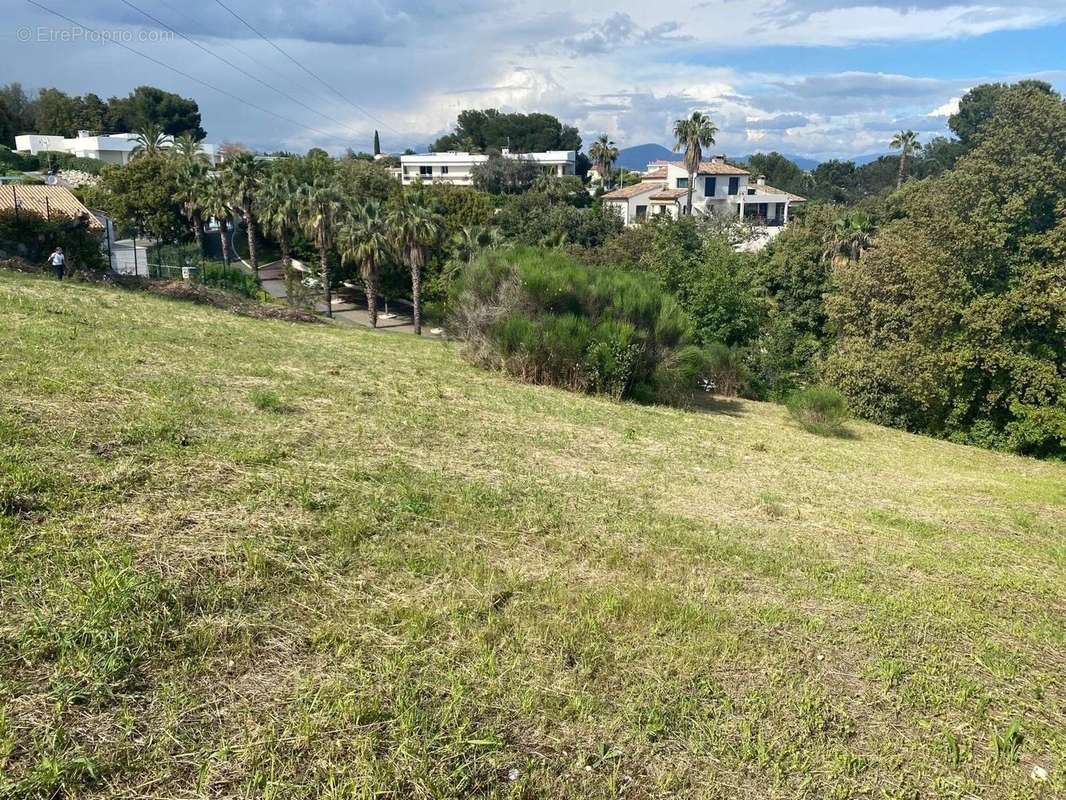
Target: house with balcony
{"type": "Point", "coordinates": [717, 188]}
{"type": "Point", "coordinates": [115, 148]}
{"type": "Point", "coordinates": [456, 168]}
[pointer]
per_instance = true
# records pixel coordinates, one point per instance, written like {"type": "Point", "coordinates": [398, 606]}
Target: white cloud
{"type": "Point", "coordinates": [946, 110]}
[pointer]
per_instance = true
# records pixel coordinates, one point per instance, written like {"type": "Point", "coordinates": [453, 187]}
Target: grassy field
{"type": "Point", "coordinates": [244, 558]}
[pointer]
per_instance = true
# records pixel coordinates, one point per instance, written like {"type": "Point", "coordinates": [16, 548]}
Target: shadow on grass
{"type": "Point", "coordinates": [842, 432]}
{"type": "Point", "coordinates": [712, 404]}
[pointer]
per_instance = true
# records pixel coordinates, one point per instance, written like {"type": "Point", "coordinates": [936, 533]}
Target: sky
{"type": "Point", "coordinates": [818, 78]}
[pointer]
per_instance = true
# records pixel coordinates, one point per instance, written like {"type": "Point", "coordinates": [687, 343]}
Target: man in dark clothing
{"type": "Point", "coordinates": [58, 262]}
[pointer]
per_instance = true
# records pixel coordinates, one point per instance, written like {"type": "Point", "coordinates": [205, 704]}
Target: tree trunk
{"type": "Point", "coordinates": [691, 180]}
{"type": "Point", "coordinates": [902, 168]}
{"type": "Point", "coordinates": [416, 288]}
{"type": "Point", "coordinates": [370, 283]}
{"type": "Point", "coordinates": [223, 230]}
{"type": "Point", "coordinates": [253, 254]}
{"type": "Point", "coordinates": [198, 232]}
{"type": "Point", "coordinates": [286, 265]}
{"type": "Point", "coordinates": [324, 270]}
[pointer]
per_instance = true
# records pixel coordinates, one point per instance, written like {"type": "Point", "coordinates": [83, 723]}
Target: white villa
{"type": "Point", "coordinates": [115, 148]}
{"type": "Point", "coordinates": [455, 167]}
{"type": "Point", "coordinates": [719, 188]}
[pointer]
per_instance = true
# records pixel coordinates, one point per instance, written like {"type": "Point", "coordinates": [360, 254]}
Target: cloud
{"type": "Point", "coordinates": [619, 30]}
{"type": "Point", "coordinates": [946, 110]}
{"type": "Point", "coordinates": [779, 122]}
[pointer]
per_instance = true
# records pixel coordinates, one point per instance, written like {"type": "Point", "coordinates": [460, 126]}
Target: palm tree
{"type": "Point", "coordinates": [414, 228]}
{"type": "Point", "coordinates": [470, 239]}
{"type": "Point", "coordinates": [279, 214]}
{"type": "Point", "coordinates": [150, 141]}
{"type": "Point", "coordinates": [243, 176]}
{"type": "Point", "coordinates": [187, 149]}
{"type": "Point", "coordinates": [362, 239]}
{"type": "Point", "coordinates": [692, 135]}
{"type": "Point", "coordinates": [215, 202]}
{"type": "Point", "coordinates": [849, 238]}
{"type": "Point", "coordinates": [320, 207]}
{"type": "Point", "coordinates": [192, 189]}
{"type": "Point", "coordinates": [603, 154]}
{"type": "Point", "coordinates": [906, 142]}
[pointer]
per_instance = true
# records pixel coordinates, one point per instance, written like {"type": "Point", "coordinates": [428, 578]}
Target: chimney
{"type": "Point", "coordinates": [85, 134]}
{"type": "Point", "coordinates": [761, 180]}
{"type": "Point", "coordinates": [506, 151]}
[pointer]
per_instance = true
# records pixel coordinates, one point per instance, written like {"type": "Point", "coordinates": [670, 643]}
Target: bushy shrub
{"type": "Point", "coordinates": [542, 317]}
{"type": "Point", "coordinates": [11, 160]}
{"type": "Point", "coordinates": [819, 409]}
{"type": "Point", "coordinates": [725, 369]}
{"type": "Point", "coordinates": [53, 158]}
{"type": "Point", "coordinates": [33, 237]}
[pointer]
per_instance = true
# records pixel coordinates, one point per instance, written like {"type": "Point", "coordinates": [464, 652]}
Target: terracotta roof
{"type": "Point", "coordinates": [33, 199]}
{"type": "Point", "coordinates": [795, 198]}
{"type": "Point", "coordinates": [653, 174]}
{"type": "Point", "coordinates": [636, 189]}
{"type": "Point", "coordinates": [669, 194]}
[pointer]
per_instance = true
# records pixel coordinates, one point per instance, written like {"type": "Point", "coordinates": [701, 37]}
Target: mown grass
{"type": "Point", "coordinates": [423, 580]}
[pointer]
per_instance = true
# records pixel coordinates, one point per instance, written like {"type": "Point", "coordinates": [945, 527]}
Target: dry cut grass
{"type": "Point", "coordinates": [247, 558]}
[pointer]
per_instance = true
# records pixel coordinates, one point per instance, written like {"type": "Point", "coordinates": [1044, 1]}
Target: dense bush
{"type": "Point", "coordinates": [542, 317]}
{"type": "Point", "coordinates": [52, 158]}
{"type": "Point", "coordinates": [11, 160]}
{"type": "Point", "coordinates": [954, 324]}
{"type": "Point", "coordinates": [33, 237]}
{"type": "Point", "coordinates": [819, 409]}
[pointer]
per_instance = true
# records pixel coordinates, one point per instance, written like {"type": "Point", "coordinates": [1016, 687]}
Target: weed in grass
{"type": "Point", "coordinates": [1008, 742]}
{"type": "Point", "coordinates": [266, 400]}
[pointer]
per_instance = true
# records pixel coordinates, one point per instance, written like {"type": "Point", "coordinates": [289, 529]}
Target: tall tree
{"type": "Point", "coordinates": [906, 142]}
{"type": "Point", "coordinates": [377, 144]}
{"type": "Point", "coordinates": [482, 130]}
{"type": "Point", "coordinates": [192, 190]}
{"type": "Point", "coordinates": [243, 175]}
{"type": "Point", "coordinates": [415, 228]}
{"type": "Point", "coordinates": [187, 149]}
{"type": "Point", "coordinates": [320, 208]}
{"type": "Point", "coordinates": [147, 105]}
{"type": "Point", "coordinates": [978, 106]}
{"type": "Point", "coordinates": [603, 154]}
{"type": "Point", "coordinates": [692, 135]}
{"type": "Point", "coordinates": [362, 239]}
{"type": "Point", "coordinates": [848, 238]}
{"type": "Point", "coordinates": [279, 214]}
{"type": "Point", "coordinates": [151, 140]}
{"type": "Point", "coordinates": [215, 202]}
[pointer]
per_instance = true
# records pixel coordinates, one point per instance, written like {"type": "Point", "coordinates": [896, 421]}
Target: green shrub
{"type": "Point", "coordinates": [52, 158]}
{"type": "Point", "coordinates": [544, 318]}
{"type": "Point", "coordinates": [725, 369]}
{"type": "Point", "coordinates": [18, 162]}
{"type": "Point", "coordinates": [819, 409]}
{"type": "Point", "coordinates": [33, 237]}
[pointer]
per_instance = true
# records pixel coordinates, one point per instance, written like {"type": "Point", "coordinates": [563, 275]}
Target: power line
{"type": "Point", "coordinates": [230, 95]}
{"type": "Point", "coordinates": [306, 69]}
{"type": "Point", "coordinates": [238, 68]}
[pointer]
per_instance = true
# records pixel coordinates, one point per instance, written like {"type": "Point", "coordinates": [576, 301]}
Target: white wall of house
{"type": "Point", "coordinates": [457, 167]}
{"type": "Point", "coordinates": [116, 148]}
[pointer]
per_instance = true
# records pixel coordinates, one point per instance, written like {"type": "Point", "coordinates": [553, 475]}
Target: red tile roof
{"type": "Point", "coordinates": [669, 194]}
{"type": "Point", "coordinates": [626, 192]}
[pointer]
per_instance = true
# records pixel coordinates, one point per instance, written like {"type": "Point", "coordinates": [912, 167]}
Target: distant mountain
{"type": "Point", "coordinates": [866, 159]}
{"type": "Point", "coordinates": [639, 156]}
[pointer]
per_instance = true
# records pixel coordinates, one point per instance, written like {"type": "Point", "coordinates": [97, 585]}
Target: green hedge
{"type": "Point", "coordinates": [69, 161]}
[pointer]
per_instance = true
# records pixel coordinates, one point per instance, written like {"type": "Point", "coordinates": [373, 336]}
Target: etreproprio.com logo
{"type": "Point", "coordinates": [76, 33]}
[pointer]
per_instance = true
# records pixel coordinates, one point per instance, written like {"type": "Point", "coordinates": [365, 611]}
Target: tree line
{"type": "Point", "coordinates": [56, 113]}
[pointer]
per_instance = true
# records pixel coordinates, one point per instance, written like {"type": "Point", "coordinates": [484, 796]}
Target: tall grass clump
{"type": "Point", "coordinates": [542, 317]}
{"type": "Point", "coordinates": [819, 409]}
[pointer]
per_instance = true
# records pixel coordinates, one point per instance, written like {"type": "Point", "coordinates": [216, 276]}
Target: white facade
{"type": "Point", "coordinates": [718, 188]}
{"type": "Point", "coordinates": [115, 148]}
{"type": "Point", "coordinates": [456, 167]}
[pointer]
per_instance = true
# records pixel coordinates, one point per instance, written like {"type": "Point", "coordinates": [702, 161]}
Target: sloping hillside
{"type": "Point", "coordinates": [250, 558]}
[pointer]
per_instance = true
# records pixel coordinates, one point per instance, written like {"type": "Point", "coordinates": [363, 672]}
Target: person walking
{"type": "Point", "coordinates": [58, 262]}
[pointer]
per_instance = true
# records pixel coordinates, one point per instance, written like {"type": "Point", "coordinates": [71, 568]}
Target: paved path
{"type": "Point", "coordinates": [349, 305]}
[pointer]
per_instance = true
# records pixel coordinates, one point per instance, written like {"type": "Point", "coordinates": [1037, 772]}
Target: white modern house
{"type": "Point", "coordinates": [456, 167]}
{"type": "Point", "coordinates": [719, 188]}
{"type": "Point", "coordinates": [115, 148]}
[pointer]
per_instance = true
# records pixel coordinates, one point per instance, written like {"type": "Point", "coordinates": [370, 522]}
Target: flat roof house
{"type": "Point", "coordinates": [456, 167]}
{"type": "Point", "coordinates": [718, 188]}
{"type": "Point", "coordinates": [115, 148]}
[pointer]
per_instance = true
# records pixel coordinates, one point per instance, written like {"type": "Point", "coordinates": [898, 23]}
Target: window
{"type": "Point", "coordinates": [710, 186]}
{"type": "Point", "coordinates": [682, 183]}
{"type": "Point", "coordinates": [425, 170]}
{"type": "Point", "coordinates": [734, 185]}
{"type": "Point", "coordinates": [443, 170]}
{"type": "Point", "coordinates": [642, 212]}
